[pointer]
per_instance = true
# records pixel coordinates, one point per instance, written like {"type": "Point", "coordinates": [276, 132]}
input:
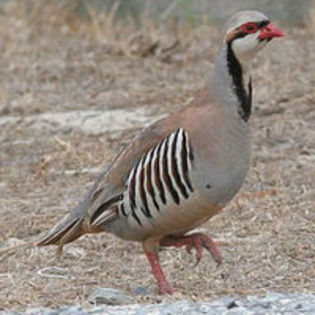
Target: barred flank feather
{"type": "Point", "coordinates": [160, 177]}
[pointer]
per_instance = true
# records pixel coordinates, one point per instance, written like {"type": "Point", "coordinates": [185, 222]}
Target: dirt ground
{"type": "Point", "coordinates": [50, 63]}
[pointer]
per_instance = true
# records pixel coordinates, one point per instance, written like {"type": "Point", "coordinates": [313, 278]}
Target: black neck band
{"type": "Point", "coordinates": [236, 72]}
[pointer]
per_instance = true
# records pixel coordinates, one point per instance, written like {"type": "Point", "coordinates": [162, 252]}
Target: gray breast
{"type": "Point", "coordinates": [220, 169]}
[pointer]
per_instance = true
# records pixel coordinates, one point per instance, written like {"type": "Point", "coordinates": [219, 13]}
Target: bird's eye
{"type": "Point", "coordinates": [249, 28]}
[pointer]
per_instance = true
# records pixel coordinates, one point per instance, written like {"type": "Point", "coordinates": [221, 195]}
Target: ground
{"type": "Point", "coordinates": [51, 64]}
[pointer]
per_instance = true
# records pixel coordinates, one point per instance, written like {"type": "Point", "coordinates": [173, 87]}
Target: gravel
{"type": "Point", "coordinates": [272, 303]}
{"type": "Point", "coordinates": [109, 296]}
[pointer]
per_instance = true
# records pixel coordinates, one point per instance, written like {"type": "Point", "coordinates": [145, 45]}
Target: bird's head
{"type": "Point", "coordinates": [248, 32]}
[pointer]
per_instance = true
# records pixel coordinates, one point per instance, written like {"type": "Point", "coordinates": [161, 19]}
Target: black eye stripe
{"type": "Point", "coordinates": [243, 34]}
{"type": "Point", "coordinates": [263, 23]}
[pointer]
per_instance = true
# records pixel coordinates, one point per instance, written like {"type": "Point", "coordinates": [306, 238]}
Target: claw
{"type": "Point", "coordinates": [198, 245]}
{"type": "Point", "coordinates": [213, 249]}
{"type": "Point", "coordinates": [189, 248]}
{"type": "Point", "coordinates": [197, 241]}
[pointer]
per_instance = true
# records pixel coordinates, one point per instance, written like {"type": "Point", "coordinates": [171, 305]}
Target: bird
{"type": "Point", "coordinates": [181, 170]}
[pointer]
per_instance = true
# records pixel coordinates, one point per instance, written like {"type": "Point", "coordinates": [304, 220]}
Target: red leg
{"type": "Point", "coordinates": [153, 258]}
{"type": "Point", "coordinates": [197, 241]}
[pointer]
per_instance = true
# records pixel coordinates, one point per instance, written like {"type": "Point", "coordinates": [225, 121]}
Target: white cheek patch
{"type": "Point", "coordinates": [247, 47]}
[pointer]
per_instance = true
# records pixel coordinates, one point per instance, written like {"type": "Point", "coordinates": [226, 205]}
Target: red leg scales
{"type": "Point", "coordinates": [164, 286]}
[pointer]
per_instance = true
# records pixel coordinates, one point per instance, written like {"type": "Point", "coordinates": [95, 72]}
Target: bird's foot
{"type": "Point", "coordinates": [197, 241]}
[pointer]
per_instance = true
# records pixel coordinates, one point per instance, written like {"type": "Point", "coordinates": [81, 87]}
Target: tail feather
{"type": "Point", "coordinates": [79, 222]}
{"type": "Point", "coordinates": [66, 231]}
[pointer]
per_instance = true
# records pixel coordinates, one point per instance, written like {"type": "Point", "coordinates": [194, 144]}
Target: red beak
{"type": "Point", "coordinates": [270, 31]}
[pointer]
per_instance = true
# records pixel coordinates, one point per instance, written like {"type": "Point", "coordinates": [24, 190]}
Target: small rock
{"type": "Point", "coordinates": [41, 311]}
{"type": "Point", "coordinates": [140, 291]}
{"type": "Point", "coordinates": [232, 305]}
{"type": "Point", "coordinates": [110, 297]}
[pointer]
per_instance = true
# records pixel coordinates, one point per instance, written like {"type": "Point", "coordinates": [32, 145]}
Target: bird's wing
{"type": "Point", "coordinates": [111, 184]}
{"type": "Point", "coordinates": [106, 191]}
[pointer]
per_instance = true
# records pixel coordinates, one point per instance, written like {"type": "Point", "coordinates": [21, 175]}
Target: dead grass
{"type": "Point", "coordinates": [50, 62]}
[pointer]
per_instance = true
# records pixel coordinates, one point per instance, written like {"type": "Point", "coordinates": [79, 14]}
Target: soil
{"type": "Point", "coordinates": [53, 64]}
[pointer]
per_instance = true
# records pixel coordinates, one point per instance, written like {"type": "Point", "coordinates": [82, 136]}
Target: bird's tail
{"type": "Point", "coordinates": [71, 227]}
{"type": "Point", "coordinates": [67, 230]}
{"type": "Point", "coordinates": [77, 223]}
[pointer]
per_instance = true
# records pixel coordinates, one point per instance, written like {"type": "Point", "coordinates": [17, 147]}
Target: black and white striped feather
{"type": "Point", "coordinates": [161, 177]}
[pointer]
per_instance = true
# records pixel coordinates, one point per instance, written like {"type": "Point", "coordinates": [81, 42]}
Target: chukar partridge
{"type": "Point", "coordinates": [183, 169]}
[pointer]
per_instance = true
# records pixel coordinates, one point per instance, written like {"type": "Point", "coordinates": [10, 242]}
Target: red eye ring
{"type": "Point", "coordinates": [249, 28]}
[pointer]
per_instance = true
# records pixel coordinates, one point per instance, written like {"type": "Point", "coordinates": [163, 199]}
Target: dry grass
{"type": "Point", "coordinates": [51, 62]}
